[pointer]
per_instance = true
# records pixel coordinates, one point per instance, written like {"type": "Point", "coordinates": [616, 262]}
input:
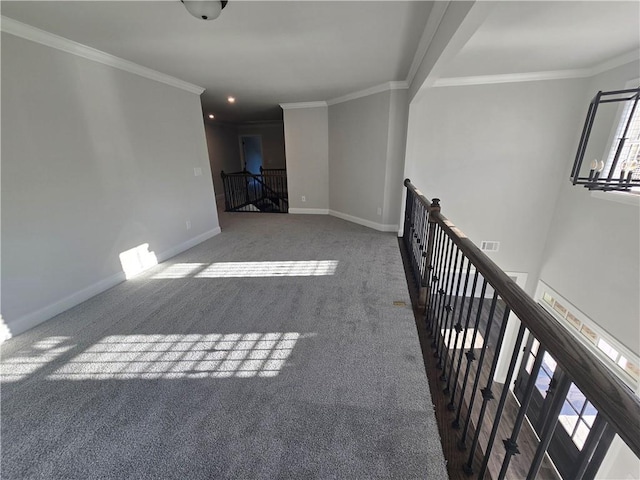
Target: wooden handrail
{"type": "Point", "coordinates": [612, 397]}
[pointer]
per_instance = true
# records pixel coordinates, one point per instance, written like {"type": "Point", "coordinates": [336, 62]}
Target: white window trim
{"type": "Point", "coordinates": [601, 333]}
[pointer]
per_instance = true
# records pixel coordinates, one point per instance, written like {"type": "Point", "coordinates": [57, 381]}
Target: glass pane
{"type": "Point", "coordinates": [589, 414]}
{"type": "Point", "coordinates": [542, 382]}
{"type": "Point", "coordinates": [576, 398]}
{"type": "Point", "coordinates": [608, 350]}
{"type": "Point", "coordinates": [622, 362]}
{"type": "Point", "coordinates": [535, 346]}
{"type": "Point", "coordinates": [581, 434]}
{"type": "Point", "coordinates": [530, 362]}
{"type": "Point", "coordinates": [568, 417]}
{"type": "Point", "coordinates": [548, 364]}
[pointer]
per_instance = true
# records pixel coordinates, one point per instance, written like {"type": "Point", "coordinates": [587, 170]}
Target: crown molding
{"type": "Point", "coordinates": [292, 106]}
{"type": "Point", "coordinates": [22, 30]}
{"type": "Point", "coordinates": [539, 76]}
{"type": "Point", "coordinates": [628, 57]}
{"type": "Point", "coordinates": [402, 85]}
{"type": "Point", "coordinates": [509, 78]}
{"type": "Point", "coordinates": [433, 22]}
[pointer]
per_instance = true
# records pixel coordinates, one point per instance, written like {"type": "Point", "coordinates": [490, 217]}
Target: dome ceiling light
{"type": "Point", "coordinates": [205, 9]}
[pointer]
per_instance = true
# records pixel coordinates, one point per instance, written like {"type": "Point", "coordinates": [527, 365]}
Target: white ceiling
{"type": "Point", "coordinates": [270, 52]}
{"type": "Point", "coordinates": [262, 52]}
{"type": "Point", "coordinates": [543, 36]}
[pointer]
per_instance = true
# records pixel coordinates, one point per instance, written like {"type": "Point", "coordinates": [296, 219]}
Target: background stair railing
{"type": "Point", "coordinates": [248, 192]}
{"type": "Point", "coordinates": [469, 304]}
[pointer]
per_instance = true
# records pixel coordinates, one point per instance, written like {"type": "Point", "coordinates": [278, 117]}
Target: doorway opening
{"type": "Point", "coordinates": [251, 153]}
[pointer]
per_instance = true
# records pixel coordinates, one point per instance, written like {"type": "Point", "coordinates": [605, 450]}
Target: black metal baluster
{"type": "Point", "coordinates": [430, 275]}
{"type": "Point", "coordinates": [458, 325]}
{"type": "Point", "coordinates": [416, 227]}
{"type": "Point", "coordinates": [238, 189]}
{"type": "Point", "coordinates": [451, 406]}
{"type": "Point", "coordinates": [471, 356]}
{"type": "Point", "coordinates": [511, 444]}
{"type": "Point", "coordinates": [560, 394]}
{"type": "Point", "coordinates": [419, 215]}
{"type": "Point", "coordinates": [485, 342]}
{"type": "Point", "coordinates": [412, 227]}
{"type": "Point", "coordinates": [423, 255]}
{"type": "Point", "coordinates": [232, 186]}
{"type": "Point", "coordinates": [446, 346]}
{"type": "Point", "coordinates": [235, 192]}
{"type": "Point", "coordinates": [446, 311]}
{"type": "Point", "coordinates": [441, 298]}
{"type": "Point", "coordinates": [503, 399]}
{"type": "Point", "coordinates": [442, 302]}
{"type": "Point", "coordinates": [435, 282]}
{"type": "Point", "coordinates": [487, 394]}
{"type": "Point", "coordinates": [415, 224]}
{"type": "Point", "coordinates": [429, 256]}
{"type": "Point", "coordinates": [424, 246]}
{"type": "Point", "coordinates": [422, 221]}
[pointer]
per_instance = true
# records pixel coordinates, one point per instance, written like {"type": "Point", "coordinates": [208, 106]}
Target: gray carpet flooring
{"type": "Point", "coordinates": [271, 351]}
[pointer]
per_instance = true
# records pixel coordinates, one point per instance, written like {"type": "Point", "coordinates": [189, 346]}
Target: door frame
{"type": "Point", "coordinates": [241, 137]}
{"type": "Point", "coordinates": [567, 457]}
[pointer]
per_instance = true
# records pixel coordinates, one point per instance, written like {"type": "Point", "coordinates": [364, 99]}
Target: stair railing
{"type": "Point", "coordinates": [461, 291]}
{"type": "Point", "coordinates": [248, 192]}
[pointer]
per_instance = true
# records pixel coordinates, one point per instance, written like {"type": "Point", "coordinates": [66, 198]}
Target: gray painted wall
{"type": "Point", "coordinates": [593, 249]}
{"type": "Point", "coordinates": [307, 150]}
{"type": "Point", "coordinates": [358, 131]}
{"type": "Point", "coordinates": [496, 155]}
{"type": "Point", "coordinates": [95, 161]}
{"type": "Point", "coordinates": [224, 152]}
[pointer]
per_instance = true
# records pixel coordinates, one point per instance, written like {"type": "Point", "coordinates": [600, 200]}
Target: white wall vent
{"type": "Point", "coordinates": [489, 246]}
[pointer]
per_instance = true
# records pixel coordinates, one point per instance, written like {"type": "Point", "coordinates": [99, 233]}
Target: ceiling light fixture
{"type": "Point", "coordinates": [231, 99]}
{"type": "Point", "coordinates": [619, 170]}
{"type": "Point", "coordinates": [211, 116]}
{"type": "Point", "coordinates": [204, 9]}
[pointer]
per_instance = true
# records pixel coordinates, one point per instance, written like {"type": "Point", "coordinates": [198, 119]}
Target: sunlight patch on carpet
{"type": "Point", "coordinates": [30, 359]}
{"type": "Point", "coordinates": [304, 268]}
{"type": "Point", "coordinates": [192, 356]}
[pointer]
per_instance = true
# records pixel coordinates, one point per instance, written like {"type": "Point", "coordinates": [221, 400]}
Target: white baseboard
{"type": "Point", "coordinates": [192, 242]}
{"type": "Point", "coordinates": [361, 221]}
{"type": "Point", "coordinates": [32, 319]}
{"type": "Point", "coordinates": [309, 211]}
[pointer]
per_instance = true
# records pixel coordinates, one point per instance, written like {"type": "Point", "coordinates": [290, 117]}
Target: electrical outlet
{"type": "Point", "coordinates": [379, 211]}
{"type": "Point", "coordinates": [188, 222]}
{"type": "Point", "coordinates": [197, 171]}
{"type": "Point", "coordinates": [304, 199]}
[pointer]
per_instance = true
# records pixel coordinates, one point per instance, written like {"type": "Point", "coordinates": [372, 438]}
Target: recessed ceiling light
{"type": "Point", "coordinates": [211, 116]}
{"type": "Point", "coordinates": [231, 99]}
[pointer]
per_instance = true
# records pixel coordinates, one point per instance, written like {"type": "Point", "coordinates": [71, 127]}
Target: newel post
{"type": "Point", "coordinates": [425, 287]}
